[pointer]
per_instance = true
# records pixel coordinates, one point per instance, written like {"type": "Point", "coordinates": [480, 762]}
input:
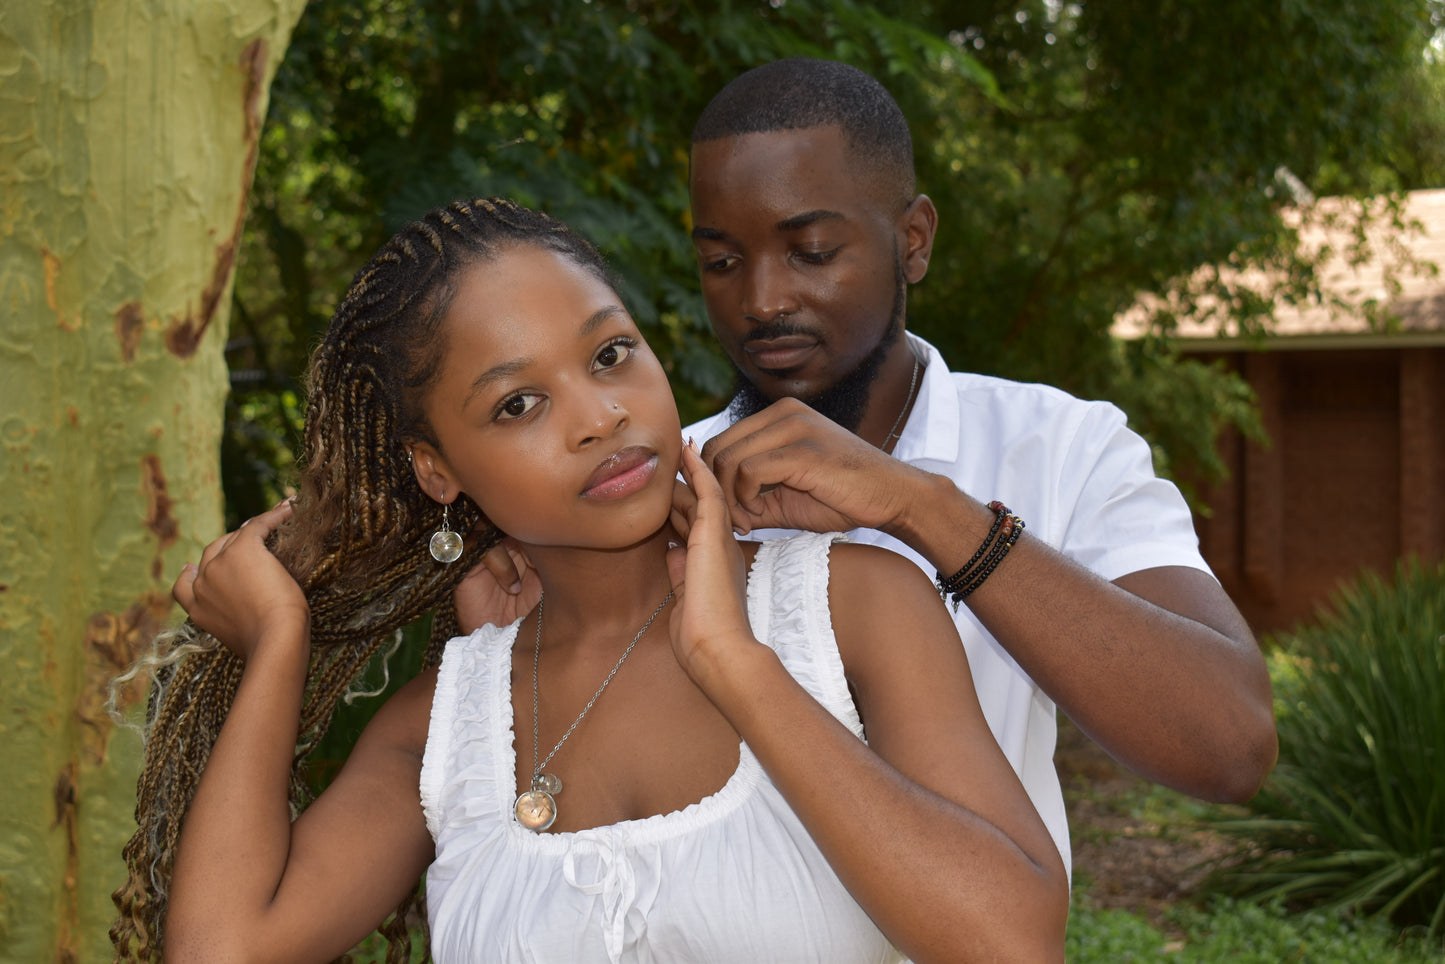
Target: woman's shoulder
{"type": "Point", "coordinates": [867, 574]}
{"type": "Point", "coordinates": [876, 595]}
{"type": "Point", "coordinates": [861, 579]}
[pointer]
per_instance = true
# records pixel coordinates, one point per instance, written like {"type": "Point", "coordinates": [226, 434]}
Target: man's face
{"type": "Point", "coordinates": [800, 262]}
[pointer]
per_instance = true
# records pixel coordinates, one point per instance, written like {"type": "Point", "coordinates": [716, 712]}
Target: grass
{"type": "Point", "coordinates": [1118, 821]}
{"type": "Point", "coordinates": [1224, 932]}
{"type": "Point", "coordinates": [1230, 932]}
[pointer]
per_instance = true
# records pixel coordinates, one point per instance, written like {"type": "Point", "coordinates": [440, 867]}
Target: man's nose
{"type": "Point", "coordinates": [769, 291]}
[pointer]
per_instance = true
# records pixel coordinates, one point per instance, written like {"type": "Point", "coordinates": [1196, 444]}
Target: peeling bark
{"type": "Point", "coordinates": [184, 335]}
{"type": "Point", "coordinates": [129, 320]}
{"type": "Point", "coordinates": [128, 137]}
{"type": "Point", "coordinates": [113, 641]}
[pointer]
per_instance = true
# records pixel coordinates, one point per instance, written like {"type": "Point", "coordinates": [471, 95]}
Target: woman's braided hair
{"type": "Point", "coordinates": [356, 542]}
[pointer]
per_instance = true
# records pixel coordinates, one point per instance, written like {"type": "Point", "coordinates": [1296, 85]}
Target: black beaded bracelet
{"type": "Point", "coordinates": [1000, 539]}
{"type": "Point", "coordinates": [996, 557]}
{"type": "Point", "coordinates": [1000, 512]}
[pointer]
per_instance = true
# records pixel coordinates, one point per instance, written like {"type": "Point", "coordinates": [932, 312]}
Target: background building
{"type": "Point", "coordinates": [1354, 475]}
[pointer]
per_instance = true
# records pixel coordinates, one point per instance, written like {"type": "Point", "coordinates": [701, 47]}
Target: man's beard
{"type": "Point", "coordinates": [846, 400]}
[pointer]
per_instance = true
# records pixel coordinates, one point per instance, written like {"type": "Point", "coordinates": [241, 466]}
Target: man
{"type": "Point", "coordinates": [808, 230]}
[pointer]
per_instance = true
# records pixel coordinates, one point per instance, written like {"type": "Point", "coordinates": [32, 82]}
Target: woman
{"type": "Point", "coordinates": [660, 761]}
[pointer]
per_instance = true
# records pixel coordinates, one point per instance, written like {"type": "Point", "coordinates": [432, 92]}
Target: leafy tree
{"type": "Point", "coordinates": [1131, 143]}
{"type": "Point", "coordinates": [1080, 153]}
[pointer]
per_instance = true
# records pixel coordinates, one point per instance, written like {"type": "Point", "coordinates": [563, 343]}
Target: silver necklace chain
{"type": "Point", "coordinates": [536, 659]}
{"type": "Point", "coordinates": [912, 384]}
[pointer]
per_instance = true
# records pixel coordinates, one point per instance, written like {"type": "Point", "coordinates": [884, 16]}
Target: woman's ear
{"type": "Point", "coordinates": [918, 224]}
{"type": "Point", "coordinates": [432, 472]}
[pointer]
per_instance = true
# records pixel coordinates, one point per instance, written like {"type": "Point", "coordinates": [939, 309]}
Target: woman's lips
{"type": "Point", "coordinates": [622, 474]}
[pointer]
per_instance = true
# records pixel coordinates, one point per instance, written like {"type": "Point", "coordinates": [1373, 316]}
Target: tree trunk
{"type": "Point", "coordinates": [128, 136]}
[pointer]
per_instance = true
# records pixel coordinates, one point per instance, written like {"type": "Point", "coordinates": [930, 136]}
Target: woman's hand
{"type": "Point", "coordinates": [499, 590]}
{"type": "Point", "coordinates": [710, 619]}
{"type": "Point", "coordinates": [240, 593]}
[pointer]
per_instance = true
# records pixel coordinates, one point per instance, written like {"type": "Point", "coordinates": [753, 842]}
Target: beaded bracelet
{"type": "Point", "coordinates": [1000, 539]}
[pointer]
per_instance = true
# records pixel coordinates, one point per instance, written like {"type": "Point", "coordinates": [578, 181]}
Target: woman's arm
{"type": "Point", "coordinates": [928, 826]}
{"type": "Point", "coordinates": [247, 884]}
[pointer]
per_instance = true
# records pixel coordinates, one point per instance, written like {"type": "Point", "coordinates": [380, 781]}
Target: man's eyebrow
{"type": "Point", "coordinates": [795, 223]}
{"type": "Point", "coordinates": [807, 219]}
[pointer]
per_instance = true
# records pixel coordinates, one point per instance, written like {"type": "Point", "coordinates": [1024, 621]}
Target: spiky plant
{"type": "Point", "coordinates": [1354, 815]}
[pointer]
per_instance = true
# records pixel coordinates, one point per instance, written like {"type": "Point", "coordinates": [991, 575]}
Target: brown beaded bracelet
{"type": "Point", "coordinates": [1000, 539]}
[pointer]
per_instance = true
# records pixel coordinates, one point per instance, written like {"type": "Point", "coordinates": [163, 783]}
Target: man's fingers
{"type": "Point", "coordinates": [756, 454]}
{"type": "Point", "coordinates": [498, 561]}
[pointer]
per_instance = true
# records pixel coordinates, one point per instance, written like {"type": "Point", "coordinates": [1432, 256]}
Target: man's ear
{"type": "Point", "coordinates": [917, 224]}
{"type": "Point", "coordinates": [433, 473]}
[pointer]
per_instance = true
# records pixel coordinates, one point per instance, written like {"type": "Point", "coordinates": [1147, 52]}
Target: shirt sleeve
{"type": "Point", "coordinates": [1123, 518]}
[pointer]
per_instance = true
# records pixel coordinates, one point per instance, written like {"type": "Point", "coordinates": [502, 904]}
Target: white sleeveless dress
{"type": "Point", "coordinates": [732, 878]}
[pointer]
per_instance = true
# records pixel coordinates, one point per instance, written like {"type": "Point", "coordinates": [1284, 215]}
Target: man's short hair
{"type": "Point", "coordinates": [800, 92]}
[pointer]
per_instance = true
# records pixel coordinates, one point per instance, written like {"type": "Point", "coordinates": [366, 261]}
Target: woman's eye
{"type": "Point", "coordinates": [614, 354]}
{"type": "Point", "coordinates": [517, 406]}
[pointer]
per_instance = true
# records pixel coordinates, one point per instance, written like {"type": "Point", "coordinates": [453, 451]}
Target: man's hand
{"type": "Point", "coordinates": [499, 590]}
{"type": "Point", "coordinates": [789, 467]}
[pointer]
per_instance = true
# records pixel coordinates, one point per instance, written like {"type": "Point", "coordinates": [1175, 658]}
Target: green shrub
{"type": "Point", "coordinates": [1353, 817]}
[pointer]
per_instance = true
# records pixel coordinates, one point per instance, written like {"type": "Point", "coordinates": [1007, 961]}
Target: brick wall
{"type": "Point", "coordinates": [1354, 477]}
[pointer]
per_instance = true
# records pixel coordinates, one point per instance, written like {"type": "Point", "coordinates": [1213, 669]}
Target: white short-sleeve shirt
{"type": "Point", "coordinates": [1082, 481]}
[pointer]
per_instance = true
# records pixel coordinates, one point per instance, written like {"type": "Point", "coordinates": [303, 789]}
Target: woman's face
{"type": "Point", "coordinates": [552, 413]}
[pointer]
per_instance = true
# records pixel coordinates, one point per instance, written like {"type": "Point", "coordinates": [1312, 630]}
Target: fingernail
{"type": "Point", "coordinates": [515, 587]}
{"type": "Point", "coordinates": [673, 544]}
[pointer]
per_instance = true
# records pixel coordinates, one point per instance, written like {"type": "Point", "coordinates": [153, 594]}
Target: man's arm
{"type": "Point", "coordinates": [1158, 667]}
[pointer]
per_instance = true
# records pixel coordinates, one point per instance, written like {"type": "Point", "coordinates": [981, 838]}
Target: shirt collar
{"type": "Point", "coordinates": [932, 430]}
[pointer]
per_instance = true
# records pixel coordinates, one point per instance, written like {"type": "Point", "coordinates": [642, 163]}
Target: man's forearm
{"type": "Point", "coordinates": [1159, 668]}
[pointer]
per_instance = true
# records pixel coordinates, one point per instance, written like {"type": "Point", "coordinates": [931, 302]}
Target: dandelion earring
{"type": "Point", "coordinates": [446, 545]}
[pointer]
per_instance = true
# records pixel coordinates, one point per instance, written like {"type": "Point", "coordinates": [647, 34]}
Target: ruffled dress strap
{"type": "Point", "coordinates": [788, 610]}
{"type": "Point", "coordinates": [473, 705]}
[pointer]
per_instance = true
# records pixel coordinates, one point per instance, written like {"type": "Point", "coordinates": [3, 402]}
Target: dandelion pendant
{"type": "Point", "coordinates": [536, 809]}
